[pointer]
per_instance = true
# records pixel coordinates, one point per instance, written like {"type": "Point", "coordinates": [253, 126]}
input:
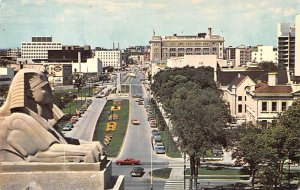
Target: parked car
{"type": "Point", "coordinates": [140, 103]}
{"type": "Point", "coordinates": [137, 172]}
{"type": "Point", "coordinates": [135, 122]}
{"type": "Point", "coordinates": [159, 150]}
{"type": "Point", "coordinates": [128, 161]}
{"type": "Point", "coordinates": [157, 137]}
{"type": "Point", "coordinates": [154, 131]}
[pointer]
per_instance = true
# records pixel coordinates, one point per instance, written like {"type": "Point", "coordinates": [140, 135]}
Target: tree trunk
{"type": "Point", "coordinates": [253, 177]}
{"type": "Point", "coordinates": [192, 171]}
{"type": "Point", "coordinates": [197, 165]}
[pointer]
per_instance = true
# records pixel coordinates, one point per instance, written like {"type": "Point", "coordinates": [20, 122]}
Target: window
{"type": "Point", "coordinates": [240, 108]}
{"type": "Point", "coordinates": [240, 98]}
{"type": "Point", "coordinates": [245, 98]}
{"type": "Point", "coordinates": [264, 123]}
{"type": "Point", "coordinates": [283, 106]}
{"type": "Point", "coordinates": [274, 106]}
{"type": "Point", "coordinates": [264, 106]}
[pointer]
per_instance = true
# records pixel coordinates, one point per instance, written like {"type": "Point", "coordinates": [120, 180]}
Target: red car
{"type": "Point", "coordinates": [128, 161]}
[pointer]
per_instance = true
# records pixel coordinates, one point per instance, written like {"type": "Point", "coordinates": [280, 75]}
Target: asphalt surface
{"type": "Point", "coordinates": [137, 142]}
{"type": "Point", "coordinates": [85, 127]}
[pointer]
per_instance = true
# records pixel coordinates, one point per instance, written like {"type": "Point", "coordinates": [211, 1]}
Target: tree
{"type": "Point", "coordinates": [251, 150]}
{"type": "Point", "coordinates": [197, 111]}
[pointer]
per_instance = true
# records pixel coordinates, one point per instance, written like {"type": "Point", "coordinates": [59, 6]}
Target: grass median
{"type": "Point", "coordinates": [118, 135]}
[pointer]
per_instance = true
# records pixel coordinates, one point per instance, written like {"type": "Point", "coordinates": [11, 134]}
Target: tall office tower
{"type": "Point", "coordinates": [297, 47]}
{"type": "Point", "coordinates": [286, 46]}
{"type": "Point", "coordinates": [38, 48]}
{"type": "Point", "coordinates": [165, 47]}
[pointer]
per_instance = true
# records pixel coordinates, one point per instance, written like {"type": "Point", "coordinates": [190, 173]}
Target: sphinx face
{"type": "Point", "coordinates": [42, 94]}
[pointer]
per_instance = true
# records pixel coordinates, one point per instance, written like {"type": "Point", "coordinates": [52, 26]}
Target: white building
{"type": "Point", "coordinates": [92, 66]}
{"type": "Point", "coordinates": [13, 53]}
{"type": "Point", "coordinates": [38, 48]}
{"type": "Point", "coordinates": [264, 54]}
{"type": "Point", "coordinates": [112, 58]}
{"type": "Point", "coordinates": [196, 61]}
{"type": "Point", "coordinates": [297, 47]}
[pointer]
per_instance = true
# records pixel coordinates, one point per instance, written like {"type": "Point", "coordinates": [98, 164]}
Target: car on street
{"type": "Point", "coordinates": [128, 161]}
{"type": "Point", "coordinates": [135, 122]}
{"type": "Point", "coordinates": [140, 103]}
{"type": "Point", "coordinates": [137, 172]}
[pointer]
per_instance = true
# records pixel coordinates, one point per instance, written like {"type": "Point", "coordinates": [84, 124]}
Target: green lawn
{"type": "Point", "coordinates": [125, 88]}
{"type": "Point", "coordinates": [72, 106]}
{"type": "Point", "coordinates": [225, 172]}
{"type": "Point", "coordinates": [162, 173]}
{"type": "Point", "coordinates": [118, 135]}
{"type": "Point", "coordinates": [171, 148]}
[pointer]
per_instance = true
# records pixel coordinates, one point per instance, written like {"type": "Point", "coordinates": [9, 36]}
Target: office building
{"type": "Point", "coordinates": [286, 46]}
{"type": "Point", "coordinates": [70, 54]}
{"type": "Point", "coordinates": [297, 48]}
{"type": "Point", "coordinates": [264, 54]}
{"type": "Point", "coordinates": [243, 55]}
{"type": "Point", "coordinates": [165, 47]}
{"type": "Point", "coordinates": [38, 48]}
{"type": "Point", "coordinates": [109, 57]}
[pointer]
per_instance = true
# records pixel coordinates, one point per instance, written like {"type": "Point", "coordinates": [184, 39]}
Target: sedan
{"type": "Point", "coordinates": [137, 172]}
{"type": "Point", "coordinates": [128, 161]}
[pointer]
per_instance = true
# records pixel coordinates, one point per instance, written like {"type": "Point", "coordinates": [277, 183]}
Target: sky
{"type": "Point", "coordinates": [99, 23]}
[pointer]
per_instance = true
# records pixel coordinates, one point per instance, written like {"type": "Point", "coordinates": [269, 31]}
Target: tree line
{"type": "Point", "coordinates": [198, 113]}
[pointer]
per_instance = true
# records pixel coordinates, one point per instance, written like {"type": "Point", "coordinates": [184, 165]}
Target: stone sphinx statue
{"type": "Point", "coordinates": [27, 125]}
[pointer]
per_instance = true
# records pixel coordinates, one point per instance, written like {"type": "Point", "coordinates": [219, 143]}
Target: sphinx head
{"type": "Point", "coordinates": [28, 89]}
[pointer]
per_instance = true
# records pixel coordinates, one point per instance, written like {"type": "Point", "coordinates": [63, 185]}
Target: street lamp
{"type": "Point", "coordinates": [70, 93]}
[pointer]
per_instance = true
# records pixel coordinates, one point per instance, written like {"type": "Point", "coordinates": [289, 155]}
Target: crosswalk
{"type": "Point", "coordinates": [177, 185]}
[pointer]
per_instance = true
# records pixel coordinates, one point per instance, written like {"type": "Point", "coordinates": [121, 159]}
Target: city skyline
{"type": "Point", "coordinates": [133, 22]}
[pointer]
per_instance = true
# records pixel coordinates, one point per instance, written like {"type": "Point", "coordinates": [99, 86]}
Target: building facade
{"type": "Point", "coordinates": [165, 47]}
{"type": "Point", "coordinates": [109, 58]}
{"type": "Point", "coordinates": [38, 48]}
{"type": "Point", "coordinates": [243, 55]}
{"type": "Point", "coordinates": [264, 54]}
{"type": "Point", "coordinates": [13, 53]}
{"type": "Point", "coordinates": [297, 48]}
{"type": "Point", "coordinates": [286, 45]}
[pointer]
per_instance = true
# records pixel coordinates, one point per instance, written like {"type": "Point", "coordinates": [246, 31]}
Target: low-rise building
{"type": "Point", "coordinates": [243, 55]}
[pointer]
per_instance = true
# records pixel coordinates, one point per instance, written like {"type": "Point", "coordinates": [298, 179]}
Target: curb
{"type": "Point", "coordinates": [129, 116]}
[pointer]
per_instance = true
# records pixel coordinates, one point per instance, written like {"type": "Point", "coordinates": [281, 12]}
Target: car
{"type": "Point", "coordinates": [135, 122]}
{"type": "Point", "coordinates": [154, 131]}
{"type": "Point", "coordinates": [69, 125]}
{"type": "Point", "coordinates": [128, 161]}
{"type": "Point", "coordinates": [157, 137]}
{"type": "Point", "coordinates": [140, 103]}
{"type": "Point", "coordinates": [137, 172]}
{"type": "Point", "coordinates": [159, 150]}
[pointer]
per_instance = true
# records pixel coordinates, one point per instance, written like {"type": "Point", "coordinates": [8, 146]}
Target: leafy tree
{"type": "Point", "coordinates": [251, 150]}
{"type": "Point", "coordinates": [197, 110]}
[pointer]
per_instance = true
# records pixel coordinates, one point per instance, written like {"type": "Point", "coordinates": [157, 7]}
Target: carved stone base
{"type": "Point", "coordinates": [46, 176]}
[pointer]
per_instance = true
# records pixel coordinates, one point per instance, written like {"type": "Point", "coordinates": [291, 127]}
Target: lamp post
{"type": "Point", "coordinates": [70, 93]}
{"type": "Point", "coordinates": [151, 177]}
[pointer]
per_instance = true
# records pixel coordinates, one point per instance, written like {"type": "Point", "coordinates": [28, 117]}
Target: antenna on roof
{"type": "Point", "coordinates": [153, 32]}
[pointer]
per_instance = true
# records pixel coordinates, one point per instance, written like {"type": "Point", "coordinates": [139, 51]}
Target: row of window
{"type": "Point", "coordinates": [34, 54]}
{"type": "Point", "coordinates": [187, 49]}
{"type": "Point", "coordinates": [264, 106]}
{"type": "Point", "coordinates": [41, 47]}
{"type": "Point", "coordinates": [274, 106]}
{"type": "Point", "coordinates": [40, 44]}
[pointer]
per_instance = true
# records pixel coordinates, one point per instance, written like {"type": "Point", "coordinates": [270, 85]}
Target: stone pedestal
{"type": "Point", "coordinates": [16, 175]}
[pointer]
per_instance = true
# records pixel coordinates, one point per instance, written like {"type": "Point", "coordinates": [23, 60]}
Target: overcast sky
{"type": "Point", "coordinates": [132, 22]}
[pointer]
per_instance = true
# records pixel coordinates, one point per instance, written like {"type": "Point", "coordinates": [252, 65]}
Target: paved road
{"type": "Point", "coordinates": [85, 127]}
{"type": "Point", "coordinates": [138, 144]}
